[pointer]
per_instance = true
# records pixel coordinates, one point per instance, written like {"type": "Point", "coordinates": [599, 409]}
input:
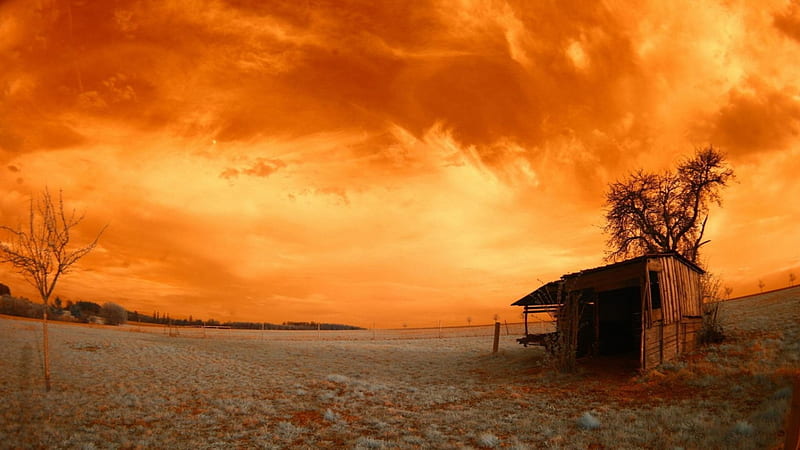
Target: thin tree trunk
{"type": "Point", "coordinates": [46, 350]}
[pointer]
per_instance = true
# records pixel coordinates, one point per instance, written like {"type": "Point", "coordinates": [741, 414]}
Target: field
{"type": "Point", "coordinates": [139, 387]}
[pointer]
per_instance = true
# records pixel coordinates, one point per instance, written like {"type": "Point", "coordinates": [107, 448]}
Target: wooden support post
{"type": "Point", "coordinates": [45, 341]}
{"type": "Point", "coordinates": [596, 343]}
{"type": "Point", "coordinates": [496, 337]}
{"type": "Point", "coordinates": [793, 424]}
{"type": "Point", "coordinates": [525, 316]}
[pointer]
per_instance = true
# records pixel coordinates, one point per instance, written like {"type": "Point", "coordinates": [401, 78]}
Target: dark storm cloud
{"type": "Point", "coordinates": [756, 119]}
{"type": "Point", "coordinates": [788, 21]}
{"type": "Point", "coordinates": [291, 69]}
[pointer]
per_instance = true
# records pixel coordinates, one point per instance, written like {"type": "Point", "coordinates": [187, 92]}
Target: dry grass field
{"type": "Point", "coordinates": [131, 387]}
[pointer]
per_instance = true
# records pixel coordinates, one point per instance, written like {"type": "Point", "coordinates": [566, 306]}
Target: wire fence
{"type": "Point", "coordinates": [437, 332]}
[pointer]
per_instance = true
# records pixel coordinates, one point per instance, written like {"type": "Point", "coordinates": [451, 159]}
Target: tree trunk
{"type": "Point", "coordinates": [46, 350]}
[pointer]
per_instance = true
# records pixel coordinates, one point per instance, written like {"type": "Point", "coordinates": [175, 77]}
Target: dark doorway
{"type": "Point", "coordinates": [619, 321]}
{"type": "Point", "coordinates": [586, 325]}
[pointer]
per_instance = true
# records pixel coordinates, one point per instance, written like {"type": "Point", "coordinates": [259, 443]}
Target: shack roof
{"type": "Point", "coordinates": [637, 260]}
{"type": "Point", "coordinates": [545, 295]}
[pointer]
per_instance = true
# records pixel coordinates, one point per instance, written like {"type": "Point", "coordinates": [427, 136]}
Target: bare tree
{"type": "Point", "coordinates": [667, 212]}
{"type": "Point", "coordinates": [792, 277]}
{"type": "Point", "coordinates": [40, 252]}
{"type": "Point", "coordinates": [728, 292]}
{"type": "Point", "coordinates": [469, 320]}
{"type": "Point", "coordinates": [761, 285]}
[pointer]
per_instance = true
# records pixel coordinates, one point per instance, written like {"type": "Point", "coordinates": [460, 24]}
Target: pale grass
{"type": "Point", "coordinates": [119, 389]}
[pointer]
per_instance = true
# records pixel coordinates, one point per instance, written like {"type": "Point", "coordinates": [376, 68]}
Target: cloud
{"type": "Point", "coordinates": [756, 118]}
{"type": "Point", "coordinates": [379, 151]}
{"type": "Point", "coordinates": [261, 167]}
{"type": "Point", "coordinates": [37, 133]}
{"type": "Point", "coordinates": [300, 70]}
{"type": "Point", "coordinates": [788, 21]}
{"type": "Point", "coordinates": [264, 167]}
{"type": "Point", "coordinates": [229, 173]}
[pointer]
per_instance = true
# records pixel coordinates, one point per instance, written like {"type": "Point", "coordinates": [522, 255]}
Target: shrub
{"type": "Point", "coordinates": [21, 307]}
{"type": "Point", "coordinates": [114, 314]}
{"type": "Point", "coordinates": [83, 311]}
{"type": "Point", "coordinates": [711, 331]}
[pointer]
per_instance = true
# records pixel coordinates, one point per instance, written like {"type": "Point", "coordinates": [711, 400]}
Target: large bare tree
{"type": "Point", "coordinates": [40, 251]}
{"type": "Point", "coordinates": [666, 212]}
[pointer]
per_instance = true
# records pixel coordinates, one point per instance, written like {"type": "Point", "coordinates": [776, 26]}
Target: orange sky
{"type": "Point", "coordinates": [386, 162]}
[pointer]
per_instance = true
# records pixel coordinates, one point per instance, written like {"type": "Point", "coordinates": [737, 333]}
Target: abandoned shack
{"type": "Point", "coordinates": [647, 310]}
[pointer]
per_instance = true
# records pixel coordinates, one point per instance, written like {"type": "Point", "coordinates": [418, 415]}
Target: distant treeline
{"type": "Point", "coordinates": [113, 314]}
{"type": "Point", "coordinates": [165, 319]}
{"type": "Point", "coordinates": [80, 311]}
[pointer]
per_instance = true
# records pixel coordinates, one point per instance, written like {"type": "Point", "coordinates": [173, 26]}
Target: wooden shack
{"type": "Point", "coordinates": [647, 310]}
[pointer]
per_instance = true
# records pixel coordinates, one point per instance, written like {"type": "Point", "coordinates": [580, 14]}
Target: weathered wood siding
{"type": "Point", "coordinates": [651, 347]}
{"type": "Point", "coordinates": [668, 331]}
{"type": "Point", "coordinates": [691, 333]}
{"type": "Point", "coordinates": [680, 290]}
{"type": "Point", "coordinates": [673, 329]}
{"type": "Point", "coordinates": [665, 342]}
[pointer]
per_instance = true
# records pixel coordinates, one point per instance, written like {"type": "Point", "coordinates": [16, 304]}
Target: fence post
{"type": "Point", "coordinates": [496, 337]}
{"type": "Point", "coordinates": [793, 424]}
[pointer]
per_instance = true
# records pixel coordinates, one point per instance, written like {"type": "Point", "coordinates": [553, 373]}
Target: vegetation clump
{"type": "Point", "coordinates": [113, 314]}
{"type": "Point", "coordinates": [711, 331]}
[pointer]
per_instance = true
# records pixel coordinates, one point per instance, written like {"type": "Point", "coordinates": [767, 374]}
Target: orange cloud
{"type": "Point", "coordinates": [383, 162]}
{"type": "Point", "coordinates": [757, 118]}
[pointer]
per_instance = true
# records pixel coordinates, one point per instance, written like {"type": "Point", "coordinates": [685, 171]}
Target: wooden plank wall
{"type": "Point", "coordinates": [652, 347]}
{"type": "Point", "coordinates": [665, 342]}
{"type": "Point", "coordinates": [669, 342]}
{"type": "Point", "coordinates": [667, 335]}
{"type": "Point", "coordinates": [680, 290]}
{"type": "Point", "coordinates": [691, 330]}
